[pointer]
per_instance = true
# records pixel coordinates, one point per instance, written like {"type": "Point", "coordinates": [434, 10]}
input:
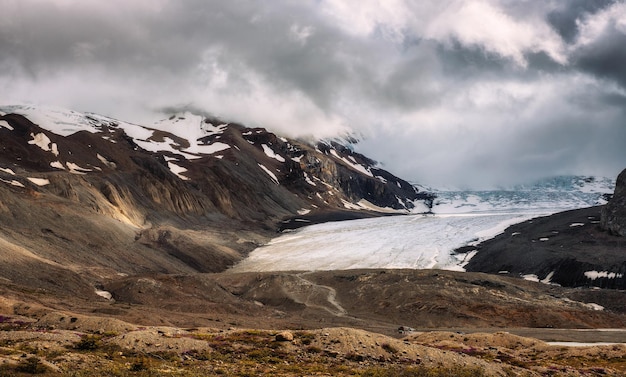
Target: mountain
{"type": "Point", "coordinates": [576, 248]}
{"type": "Point", "coordinates": [108, 232]}
{"type": "Point", "coordinates": [84, 197]}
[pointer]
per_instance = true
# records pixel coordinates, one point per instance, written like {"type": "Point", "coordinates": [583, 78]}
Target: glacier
{"type": "Point", "coordinates": [424, 241]}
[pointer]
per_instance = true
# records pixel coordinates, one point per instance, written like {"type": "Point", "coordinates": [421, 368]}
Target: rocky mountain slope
{"type": "Point", "coordinates": [84, 198]}
{"type": "Point", "coordinates": [614, 213]}
{"type": "Point", "coordinates": [579, 248]}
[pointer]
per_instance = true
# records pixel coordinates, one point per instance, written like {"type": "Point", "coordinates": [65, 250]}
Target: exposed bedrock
{"type": "Point", "coordinates": [614, 213]}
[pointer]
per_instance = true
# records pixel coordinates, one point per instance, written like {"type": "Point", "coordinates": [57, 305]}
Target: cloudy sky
{"type": "Point", "coordinates": [469, 93]}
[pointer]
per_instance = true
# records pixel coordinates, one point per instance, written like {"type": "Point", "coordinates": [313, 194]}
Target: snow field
{"type": "Point", "coordinates": [412, 241]}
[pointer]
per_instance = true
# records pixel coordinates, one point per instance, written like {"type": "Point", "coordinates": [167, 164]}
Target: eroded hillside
{"type": "Point", "coordinates": [85, 198]}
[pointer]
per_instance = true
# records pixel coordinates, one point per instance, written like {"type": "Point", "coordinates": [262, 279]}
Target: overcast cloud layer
{"type": "Point", "coordinates": [458, 92]}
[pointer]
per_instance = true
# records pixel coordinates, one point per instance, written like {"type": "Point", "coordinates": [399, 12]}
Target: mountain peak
{"type": "Point", "coordinates": [193, 148]}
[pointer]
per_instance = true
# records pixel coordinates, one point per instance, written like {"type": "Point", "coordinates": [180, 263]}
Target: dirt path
{"type": "Point", "coordinates": [314, 295]}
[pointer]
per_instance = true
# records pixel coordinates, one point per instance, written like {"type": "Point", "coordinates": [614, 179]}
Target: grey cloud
{"type": "Point", "coordinates": [606, 58]}
{"type": "Point", "coordinates": [288, 66]}
{"type": "Point", "coordinates": [564, 18]}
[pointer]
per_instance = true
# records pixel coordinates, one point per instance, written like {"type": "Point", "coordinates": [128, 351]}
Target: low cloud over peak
{"type": "Point", "coordinates": [479, 92]}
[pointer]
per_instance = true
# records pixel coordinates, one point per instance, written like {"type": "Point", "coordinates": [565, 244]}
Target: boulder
{"type": "Point", "coordinates": [285, 336]}
{"type": "Point", "coordinates": [613, 217]}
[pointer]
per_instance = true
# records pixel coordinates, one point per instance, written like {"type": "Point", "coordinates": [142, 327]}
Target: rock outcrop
{"type": "Point", "coordinates": [579, 248]}
{"type": "Point", "coordinates": [614, 212]}
{"type": "Point", "coordinates": [567, 248]}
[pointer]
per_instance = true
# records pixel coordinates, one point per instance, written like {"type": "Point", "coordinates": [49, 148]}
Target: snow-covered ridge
{"type": "Point", "coordinates": [184, 135]}
{"type": "Point", "coordinates": [188, 144]}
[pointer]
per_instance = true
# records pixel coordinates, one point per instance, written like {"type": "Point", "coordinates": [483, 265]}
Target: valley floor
{"type": "Point", "coordinates": [122, 349]}
{"type": "Point", "coordinates": [307, 324]}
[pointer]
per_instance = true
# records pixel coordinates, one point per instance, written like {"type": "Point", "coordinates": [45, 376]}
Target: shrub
{"type": "Point", "coordinates": [88, 343]}
{"type": "Point", "coordinates": [138, 366]}
{"type": "Point", "coordinates": [389, 348]}
{"type": "Point", "coordinates": [31, 365]}
{"type": "Point", "coordinates": [313, 349]}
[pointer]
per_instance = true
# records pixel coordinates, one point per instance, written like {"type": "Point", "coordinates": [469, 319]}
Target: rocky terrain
{"type": "Point", "coordinates": [160, 351]}
{"type": "Point", "coordinates": [85, 198]}
{"type": "Point", "coordinates": [337, 323]}
{"type": "Point", "coordinates": [580, 248]}
{"type": "Point", "coordinates": [115, 239]}
{"type": "Point", "coordinates": [614, 213]}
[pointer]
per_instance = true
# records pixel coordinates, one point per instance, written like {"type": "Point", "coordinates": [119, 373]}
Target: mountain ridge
{"type": "Point", "coordinates": [94, 197]}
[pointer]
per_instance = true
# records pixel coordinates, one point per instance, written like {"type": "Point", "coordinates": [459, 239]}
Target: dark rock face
{"type": "Point", "coordinates": [573, 248]}
{"type": "Point", "coordinates": [614, 213]}
{"type": "Point", "coordinates": [567, 248]}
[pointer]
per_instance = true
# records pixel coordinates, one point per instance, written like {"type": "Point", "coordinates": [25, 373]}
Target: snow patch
{"type": "Point", "coordinates": [297, 159]}
{"type": "Point", "coordinates": [176, 169]}
{"type": "Point", "coordinates": [13, 182]}
{"type": "Point", "coordinates": [76, 169]}
{"type": "Point", "coordinates": [573, 225]}
{"type": "Point", "coordinates": [107, 295]}
{"type": "Point", "coordinates": [269, 152]}
{"type": "Point", "coordinates": [594, 306]}
{"type": "Point", "coordinates": [364, 204]}
{"type": "Point", "coordinates": [349, 205]}
{"type": "Point", "coordinates": [303, 211]}
{"type": "Point", "coordinates": [106, 162]}
{"type": "Point", "coordinates": [272, 175]}
{"type": "Point", "coordinates": [189, 126]}
{"type": "Point", "coordinates": [57, 165]}
{"type": "Point", "coordinates": [463, 259]}
{"type": "Point", "coordinates": [593, 275]}
{"type": "Point", "coordinates": [208, 148]}
{"type": "Point", "coordinates": [548, 278]}
{"type": "Point", "coordinates": [7, 170]}
{"type": "Point", "coordinates": [39, 181]}
{"type": "Point", "coordinates": [42, 141]}
{"type": "Point", "coordinates": [5, 124]}
{"type": "Point", "coordinates": [308, 179]}
{"type": "Point", "coordinates": [56, 120]}
{"type": "Point", "coordinates": [531, 277]}
{"type": "Point", "coordinates": [358, 167]}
